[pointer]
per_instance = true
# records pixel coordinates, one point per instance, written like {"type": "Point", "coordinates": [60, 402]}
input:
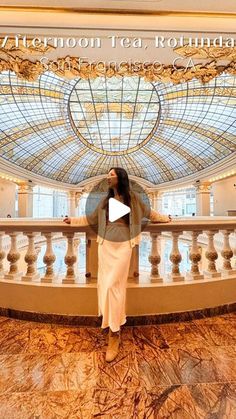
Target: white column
{"type": "Point", "coordinates": [155, 198]}
{"type": "Point", "coordinates": [150, 197]}
{"type": "Point", "coordinates": [203, 192]}
{"type": "Point", "coordinates": [78, 195]}
{"type": "Point", "coordinates": [72, 203]}
{"type": "Point", "coordinates": [158, 201]}
{"type": "Point", "coordinates": [25, 200]}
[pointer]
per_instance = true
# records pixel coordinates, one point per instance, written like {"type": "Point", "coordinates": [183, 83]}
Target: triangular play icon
{"type": "Point", "coordinates": [116, 209]}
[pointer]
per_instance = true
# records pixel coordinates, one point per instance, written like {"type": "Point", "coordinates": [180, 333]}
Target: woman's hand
{"type": "Point", "coordinates": [67, 220]}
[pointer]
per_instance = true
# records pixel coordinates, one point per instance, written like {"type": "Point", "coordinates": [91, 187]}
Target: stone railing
{"type": "Point", "coordinates": [32, 229]}
{"type": "Point", "coordinates": [211, 227]}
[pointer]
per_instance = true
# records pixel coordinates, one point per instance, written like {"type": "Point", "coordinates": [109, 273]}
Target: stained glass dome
{"type": "Point", "coordinates": [71, 130]}
{"type": "Point", "coordinates": [115, 115]}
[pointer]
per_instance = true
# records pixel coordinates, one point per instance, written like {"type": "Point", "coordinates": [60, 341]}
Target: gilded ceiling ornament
{"type": "Point", "coordinates": [12, 48]}
{"type": "Point", "coordinates": [207, 52]}
{"type": "Point", "coordinates": [29, 70]}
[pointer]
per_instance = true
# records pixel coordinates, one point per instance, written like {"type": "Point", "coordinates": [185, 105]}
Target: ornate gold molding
{"type": "Point", "coordinates": [71, 67]}
{"type": "Point", "coordinates": [11, 48]}
{"type": "Point", "coordinates": [118, 11]}
{"type": "Point", "coordinates": [12, 57]}
{"type": "Point", "coordinates": [215, 53]}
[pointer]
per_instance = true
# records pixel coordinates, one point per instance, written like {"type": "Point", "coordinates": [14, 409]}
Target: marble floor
{"type": "Point", "coordinates": [173, 370]}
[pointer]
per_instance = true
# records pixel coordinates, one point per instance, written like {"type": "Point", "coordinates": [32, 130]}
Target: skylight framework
{"type": "Point", "coordinates": [71, 130]}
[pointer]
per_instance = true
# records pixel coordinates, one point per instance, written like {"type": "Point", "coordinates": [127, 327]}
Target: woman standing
{"type": "Point", "coordinates": [115, 242]}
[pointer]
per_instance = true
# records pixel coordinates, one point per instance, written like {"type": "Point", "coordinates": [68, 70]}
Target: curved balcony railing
{"type": "Point", "coordinates": [36, 230]}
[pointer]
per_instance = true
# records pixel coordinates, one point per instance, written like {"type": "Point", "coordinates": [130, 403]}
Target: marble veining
{"type": "Point", "coordinates": [180, 370]}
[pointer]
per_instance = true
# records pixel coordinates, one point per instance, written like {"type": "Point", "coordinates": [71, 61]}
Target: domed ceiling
{"type": "Point", "coordinates": [70, 130]}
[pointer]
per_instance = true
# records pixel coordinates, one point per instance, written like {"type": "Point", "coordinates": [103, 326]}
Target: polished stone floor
{"type": "Point", "coordinates": [173, 370]}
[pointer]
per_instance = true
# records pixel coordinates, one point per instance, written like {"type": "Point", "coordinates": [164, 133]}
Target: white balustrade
{"type": "Point", "coordinates": [38, 232]}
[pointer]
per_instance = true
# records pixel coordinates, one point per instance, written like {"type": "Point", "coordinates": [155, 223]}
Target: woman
{"type": "Point", "coordinates": [115, 242]}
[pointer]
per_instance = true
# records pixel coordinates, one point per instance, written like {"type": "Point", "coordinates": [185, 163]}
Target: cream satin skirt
{"type": "Point", "coordinates": [113, 269]}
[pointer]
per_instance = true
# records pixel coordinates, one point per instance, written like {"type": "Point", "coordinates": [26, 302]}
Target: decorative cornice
{"type": "Point", "coordinates": [117, 11]}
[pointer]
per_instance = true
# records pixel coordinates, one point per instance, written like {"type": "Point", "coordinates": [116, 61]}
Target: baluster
{"type": "Point", "coordinates": [133, 275]}
{"type": "Point", "coordinates": [70, 259]}
{"type": "Point", "coordinates": [175, 258]}
{"type": "Point", "coordinates": [77, 242]}
{"type": "Point", "coordinates": [155, 258]}
{"type": "Point", "coordinates": [195, 257]}
{"type": "Point", "coordinates": [31, 259]}
{"type": "Point", "coordinates": [49, 259]}
{"type": "Point", "coordinates": [13, 257]}
{"type": "Point", "coordinates": [235, 248]}
{"type": "Point", "coordinates": [2, 255]}
{"type": "Point", "coordinates": [91, 259]}
{"type": "Point", "coordinates": [211, 255]}
{"type": "Point", "coordinates": [227, 254]}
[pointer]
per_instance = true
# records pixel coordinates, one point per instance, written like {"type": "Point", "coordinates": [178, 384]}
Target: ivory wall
{"type": "Point", "coordinates": [224, 194]}
{"type": "Point", "coordinates": [7, 198]}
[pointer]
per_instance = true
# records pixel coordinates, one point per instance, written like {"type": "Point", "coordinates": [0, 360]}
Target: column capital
{"type": "Point", "coordinates": [203, 190]}
{"type": "Point", "coordinates": [71, 194]}
{"type": "Point", "coordinates": [153, 192]}
{"type": "Point", "coordinates": [203, 186]}
{"type": "Point", "coordinates": [73, 199]}
{"type": "Point", "coordinates": [26, 187]}
{"type": "Point", "coordinates": [155, 197]}
{"type": "Point", "coordinates": [75, 192]}
{"type": "Point", "coordinates": [78, 195]}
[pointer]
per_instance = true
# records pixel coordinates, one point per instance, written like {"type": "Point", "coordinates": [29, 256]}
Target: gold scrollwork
{"type": "Point", "coordinates": [214, 52]}
{"type": "Point", "coordinates": [30, 70]}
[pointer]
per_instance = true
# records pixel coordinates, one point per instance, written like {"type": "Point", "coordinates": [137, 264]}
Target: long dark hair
{"type": "Point", "coordinates": [123, 189]}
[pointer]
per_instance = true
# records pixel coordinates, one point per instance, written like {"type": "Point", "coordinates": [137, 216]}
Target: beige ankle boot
{"type": "Point", "coordinates": [113, 346]}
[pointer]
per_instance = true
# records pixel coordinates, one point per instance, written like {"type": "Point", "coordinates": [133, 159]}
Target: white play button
{"type": "Point", "coordinates": [116, 209]}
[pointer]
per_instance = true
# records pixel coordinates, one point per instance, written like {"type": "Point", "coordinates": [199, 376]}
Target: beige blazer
{"type": "Point", "coordinates": [138, 210]}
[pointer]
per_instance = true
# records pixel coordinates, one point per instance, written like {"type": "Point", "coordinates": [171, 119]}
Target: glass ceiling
{"type": "Point", "coordinates": [70, 130]}
{"type": "Point", "coordinates": [116, 114]}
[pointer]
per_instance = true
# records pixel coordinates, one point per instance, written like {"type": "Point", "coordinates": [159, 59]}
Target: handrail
{"type": "Point", "coordinates": [54, 225]}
